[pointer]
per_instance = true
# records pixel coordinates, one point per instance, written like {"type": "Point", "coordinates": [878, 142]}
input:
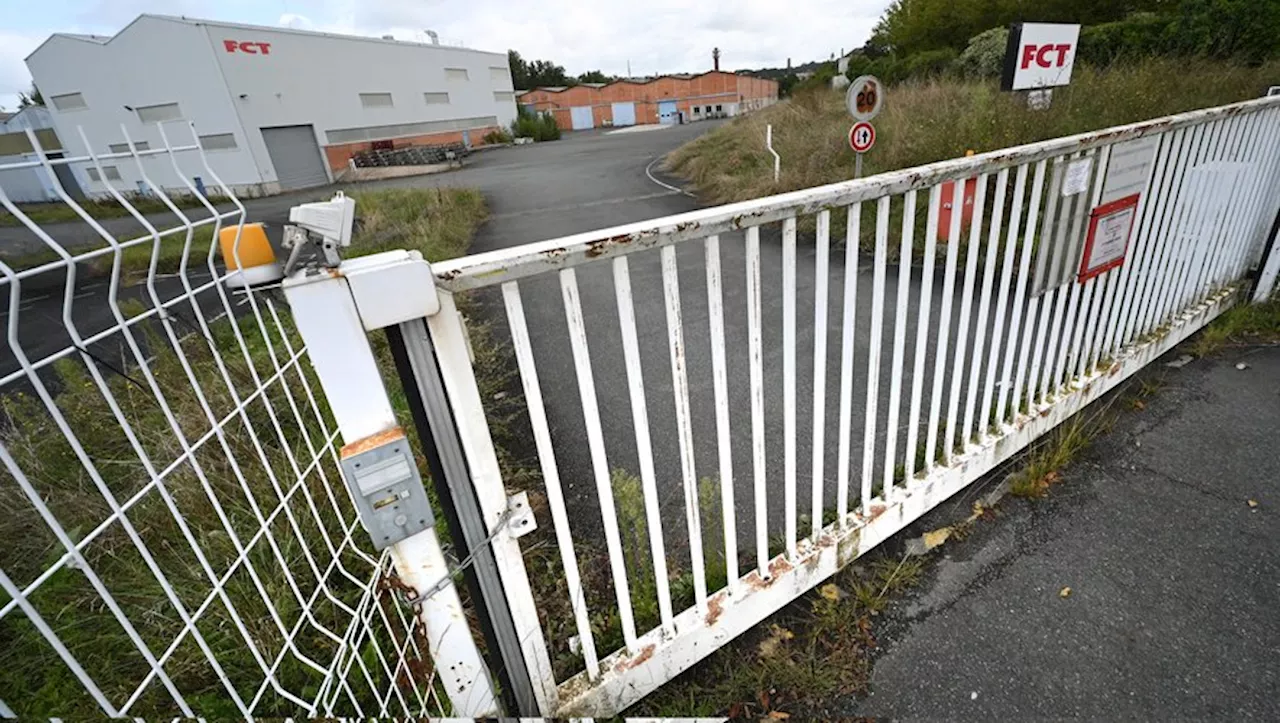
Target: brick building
{"type": "Point", "coordinates": [666, 99]}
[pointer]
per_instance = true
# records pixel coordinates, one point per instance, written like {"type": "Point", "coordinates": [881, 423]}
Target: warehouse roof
{"type": "Point", "coordinates": [106, 39]}
{"type": "Point", "coordinates": [632, 81]}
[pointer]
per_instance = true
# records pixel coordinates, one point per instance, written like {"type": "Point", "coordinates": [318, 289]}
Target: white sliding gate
{"type": "Point", "coordinates": [734, 350]}
{"type": "Point", "coordinates": [718, 411]}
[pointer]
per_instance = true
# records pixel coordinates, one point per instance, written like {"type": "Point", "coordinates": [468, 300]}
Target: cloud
{"type": "Point", "coordinates": [656, 36]}
{"type": "Point", "coordinates": [14, 78]}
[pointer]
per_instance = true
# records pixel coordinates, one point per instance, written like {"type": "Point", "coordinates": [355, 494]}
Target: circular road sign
{"type": "Point", "coordinates": [862, 136]}
{"type": "Point", "coordinates": [865, 97]}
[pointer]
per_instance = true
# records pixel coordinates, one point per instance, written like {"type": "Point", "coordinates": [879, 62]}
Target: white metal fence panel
{"type": "Point", "coordinates": [677, 372]}
{"type": "Point", "coordinates": [174, 536]}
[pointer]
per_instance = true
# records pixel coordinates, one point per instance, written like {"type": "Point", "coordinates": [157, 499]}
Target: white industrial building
{"type": "Point", "coordinates": [27, 184]}
{"type": "Point", "coordinates": [274, 108]}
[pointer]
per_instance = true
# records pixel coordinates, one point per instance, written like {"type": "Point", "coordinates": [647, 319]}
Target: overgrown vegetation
{"type": "Point", "coordinates": [498, 137]}
{"type": "Point", "coordinates": [915, 38]}
{"type": "Point", "coordinates": [932, 120]}
{"type": "Point", "coordinates": [1242, 325]}
{"type": "Point", "coordinates": [815, 649]}
{"type": "Point", "coordinates": [538, 126]}
{"type": "Point", "coordinates": [58, 212]}
{"type": "Point", "coordinates": [231, 477]}
{"type": "Point", "coordinates": [440, 222]}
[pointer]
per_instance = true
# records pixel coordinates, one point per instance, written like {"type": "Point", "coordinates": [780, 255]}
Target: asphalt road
{"type": "Point", "coordinates": [1174, 577]}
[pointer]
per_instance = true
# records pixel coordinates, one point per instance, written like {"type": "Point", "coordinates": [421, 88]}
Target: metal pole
{"type": "Point", "coordinates": [857, 165]}
{"type": "Point", "coordinates": [415, 360]}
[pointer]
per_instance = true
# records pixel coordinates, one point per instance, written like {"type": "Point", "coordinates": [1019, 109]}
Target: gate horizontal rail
{"type": "Point", "coordinates": [646, 387]}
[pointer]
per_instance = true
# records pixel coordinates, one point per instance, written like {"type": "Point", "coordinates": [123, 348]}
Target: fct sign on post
{"type": "Point", "coordinates": [1040, 55]}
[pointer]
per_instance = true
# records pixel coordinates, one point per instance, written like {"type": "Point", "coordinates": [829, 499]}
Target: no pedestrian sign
{"type": "Point", "coordinates": [862, 136]}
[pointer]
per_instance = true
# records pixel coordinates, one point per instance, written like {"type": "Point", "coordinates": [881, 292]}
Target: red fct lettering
{"type": "Point", "coordinates": [247, 46]}
{"type": "Point", "coordinates": [1062, 53]}
{"type": "Point", "coordinates": [1042, 56]}
{"type": "Point", "coordinates": [1028, 54]}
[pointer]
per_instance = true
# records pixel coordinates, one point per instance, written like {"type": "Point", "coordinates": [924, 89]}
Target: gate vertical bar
{"type": "Point", "coordinates": [449, 336]}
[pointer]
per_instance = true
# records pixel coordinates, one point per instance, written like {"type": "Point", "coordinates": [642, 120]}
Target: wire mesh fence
{"type": "Point", "coordinates": [175, 538]}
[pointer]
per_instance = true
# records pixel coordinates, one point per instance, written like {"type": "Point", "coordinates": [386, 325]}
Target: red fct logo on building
{"type": "Point", "coordinates": [247, 46]}
{"type": "Point", "coordinates": [1040, 55]}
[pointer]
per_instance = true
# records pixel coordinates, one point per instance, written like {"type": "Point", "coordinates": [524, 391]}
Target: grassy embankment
{"type": "Point", "coordinates": [264, 443]}
{"type": "Point", "coordinates": [933, 120]}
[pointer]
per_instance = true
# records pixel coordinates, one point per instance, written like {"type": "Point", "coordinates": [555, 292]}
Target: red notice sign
{"type": "Point", "coordinates": [1110, 226]}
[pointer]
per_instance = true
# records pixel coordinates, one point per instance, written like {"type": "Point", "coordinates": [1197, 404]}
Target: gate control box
{"type": "Point", "coordinates": [386, 487]}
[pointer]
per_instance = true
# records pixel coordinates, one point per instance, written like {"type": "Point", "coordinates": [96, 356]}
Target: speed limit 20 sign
{"type": "Point", "coordinates": [862, 136]}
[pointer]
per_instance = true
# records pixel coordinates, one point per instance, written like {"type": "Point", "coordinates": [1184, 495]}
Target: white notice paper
{"type": "Point", "coordinates": [1077, 180]}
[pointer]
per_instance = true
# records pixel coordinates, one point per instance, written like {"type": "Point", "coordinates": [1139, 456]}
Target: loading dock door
{"type": "Point", "coordinates": [581, 117]}
{"type": "Point", "coordinates": [667, 113]}
{"type": "Point", "coordinates": [624, 114]}
{"type": "Point", "coordinates": [296, 156]}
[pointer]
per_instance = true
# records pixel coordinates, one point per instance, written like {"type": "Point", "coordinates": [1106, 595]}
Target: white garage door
{"type": "Point", "coordinates": [624, 114]}
{"type": "Point", "coordinates": [581, 117]}
{"type": "Point", "coordinates": [296, 156]}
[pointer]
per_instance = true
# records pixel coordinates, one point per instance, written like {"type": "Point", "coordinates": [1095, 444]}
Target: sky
{"type": "Point", "coordinates": [655, 36]}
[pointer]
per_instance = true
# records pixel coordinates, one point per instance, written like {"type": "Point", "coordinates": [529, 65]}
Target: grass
{"type": "Point", "coordinates": [228, 477]}
{"type": "Point", "coordinates": [1243, 325]}
{"type": "Point", "coordinates": [57, 212]}
{"type": "Point", "coordinates": [815, 649]}
{"type": "Point", "coordinates": [933, 120]}
{"type": "Point", "coordinates": [438, 222]}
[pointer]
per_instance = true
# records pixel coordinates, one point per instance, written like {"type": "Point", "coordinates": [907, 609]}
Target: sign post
{"type": "Point", "coordinates": [864, 99]}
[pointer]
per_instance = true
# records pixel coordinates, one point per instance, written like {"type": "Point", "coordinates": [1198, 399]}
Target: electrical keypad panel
{"type": "Point", "coordinates": [385, 484]}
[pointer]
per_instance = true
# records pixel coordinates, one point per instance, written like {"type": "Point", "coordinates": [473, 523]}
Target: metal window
{"type": "Point", "coordinates": [124, 147]}
{"type": "Point", "coordinates": [69, 101]}
{"type": "Point", "coordinates": [376, 100]}
{"type": "Point", "coordinates": [113, 173]}
{"type": "Point", "coordinates": [218, 142]}
{"type": "Point", "coordinates": [159, 113]}
{"type": "Point", "coordinates": [436, 98]}
{"type": "Point", "coordinates": [456, 74]}
{"type": "Point", "coordinates": [504, 96]}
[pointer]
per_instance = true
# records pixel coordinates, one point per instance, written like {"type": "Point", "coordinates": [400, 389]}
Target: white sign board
{"type": "Point", "coordinates": [1077, 178]}
{"type": "Point", "coordinates": [865, 97]}
{"type": "Point", "coordinates": [1128, 168]}
{"type": "Point", "coordinates": [1040, 55]}
{"type": "Point", "coordinates": [1110, 226]}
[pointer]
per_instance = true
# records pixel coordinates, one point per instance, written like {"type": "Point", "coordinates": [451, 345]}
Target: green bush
{"type": "Point", "coordinates": [1138, 36]}
{"type": "Point", "coordinates": [497, 137]}
{"type": "Point", "coordinates": [538, 126]}
{"type": "Point", "coordinates": [984, 56]}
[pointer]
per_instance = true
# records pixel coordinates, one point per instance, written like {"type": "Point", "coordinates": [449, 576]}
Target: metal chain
{"type": "Point", "coordinates": [466, 562]}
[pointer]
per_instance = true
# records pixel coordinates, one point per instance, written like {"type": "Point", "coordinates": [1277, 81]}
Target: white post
{"type": "Point", "coordinates": [325, 313]}
{"type": "Point", "coordinates": [768, 143]}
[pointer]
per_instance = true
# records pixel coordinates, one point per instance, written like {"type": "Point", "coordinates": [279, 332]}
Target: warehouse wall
{"type": "Point", "coordinates": [317, 79]}
{"type": "Point", "coordinates": [152, 61]}
{"type": "Point", "coordinates": [729, 90]}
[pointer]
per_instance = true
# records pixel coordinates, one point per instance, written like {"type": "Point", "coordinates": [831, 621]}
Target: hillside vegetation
{"type": "Point", "coordinates": [934, 119]}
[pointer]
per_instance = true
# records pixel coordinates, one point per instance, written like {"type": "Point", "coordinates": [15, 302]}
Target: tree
{"type": "Point", "coordinates": [26, 100]}
{"type": "Point", "coordinates": [595, 76]}
{"type": "Point", "coordinates": [528, 74]}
